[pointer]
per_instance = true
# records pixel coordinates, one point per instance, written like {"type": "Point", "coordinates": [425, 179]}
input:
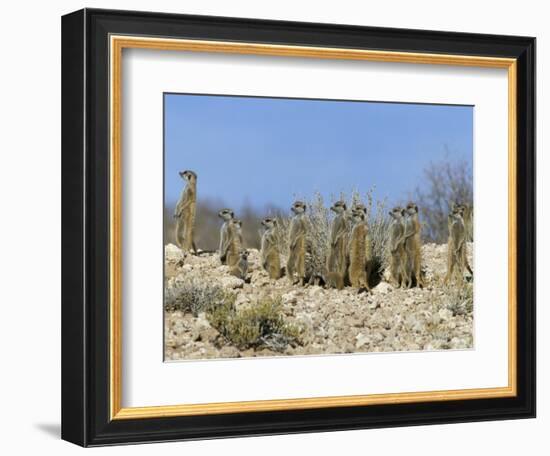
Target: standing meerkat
{"type": "Point", "coordinates": [227, 216]}
{"type": "Point", "coordinates": [185, 212]}
{"type": "Point", "coordinates": [358, 250]}
{"type": "Point", "coordinates": [456, 245]}
{"type": "Point", "coordinates": [397, 249]}
{"type": "Point", "coordinates": [468, 217]}
{"type": "Point", "coordinates": [337, 258]}
{"type": "Point", "coordinates": [467, 212]}
{"type": "Point", "coordinates": [413, 247]}
{"type": "Point", "coordinates": [297, 243]}
{"type": "Point", "coordinates": [469, 222]}
{"type": "Point", "coordinates": [238, 224]}
{"type": "Point", "coordinates": [240, 268]}
{"type": "Point", "coordinates": [235, 246]}
{"type": "Point", "coordinates": [358, 206]}
{"type": "Point", "coordinates": [271, 259]}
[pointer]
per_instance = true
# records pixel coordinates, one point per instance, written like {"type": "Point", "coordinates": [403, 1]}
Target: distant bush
{"type": "Point", "coordinates": [261, 325]}
{"type": "Point", "coordinates": [444, 183]}
{"type": "Point", "coordinates": [193, 294]}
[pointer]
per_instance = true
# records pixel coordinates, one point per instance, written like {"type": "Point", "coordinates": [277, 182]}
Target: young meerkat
{"type": "Point", "coordinates": [297, 243]}
{"type": "Point", "coordinates": [337, 258]}
{"type": "Point", "coordinates": [456, 245]}
{"type": "Point", "coordinates": [227, 215]}
{"type": "Point", "coordinates": [358, 249]}
{"type": "Point", "coordinates": [413, 247]}
{"type": "Point", "coordinates": [271, 259]}
{"type": "Point", "coordinates": [185, 212]}
{"type": "Point", "coordinates": [397, 248]}
{"type": "Point", "coordinates": [240, 268]}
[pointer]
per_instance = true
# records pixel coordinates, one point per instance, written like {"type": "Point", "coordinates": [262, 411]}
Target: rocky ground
{"type": "Point", "coordinates": [330, 321]}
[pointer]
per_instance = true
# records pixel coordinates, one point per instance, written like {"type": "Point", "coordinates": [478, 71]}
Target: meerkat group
{"type": "Point", "coordinates": [405, 247]}
{"type": "Point", "coordinates": [350, 247]}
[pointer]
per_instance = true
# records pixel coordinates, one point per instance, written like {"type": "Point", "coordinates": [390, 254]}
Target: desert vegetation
{"type": "Point", "coordinates": [219, 308]}
{"type": "Point", "coordinates": [261, 325]}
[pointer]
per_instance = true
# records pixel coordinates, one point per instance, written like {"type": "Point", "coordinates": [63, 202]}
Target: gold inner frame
{"type": "Point", "coordinates": [117, 44]}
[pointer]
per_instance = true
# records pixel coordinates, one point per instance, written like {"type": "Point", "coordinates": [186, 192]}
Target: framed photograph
{"type": "Point", "coordinates": [278, 227]}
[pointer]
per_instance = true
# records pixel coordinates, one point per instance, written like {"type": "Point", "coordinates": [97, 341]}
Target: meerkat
{"type": "Point", "coordinates": [227, 216]}
{"type": "Point", "coordinates": [269, 252]}
{"type": "Point", "coordinates": [469, 222]}
{"type": "Point", "coordinates": [413, 247]}
{"type": "Point", "coordinates": [456, 245]}
{"type": "Point", "coordinates": [337, 258]}
{"type": "Point", "coordinates": [235, 245]}
{"type": "Point", "coordinates": [238, 224]}
{"type": "Point", "coordinates": [368, 246]}
{"type": "Point", "coordinates": [185, 212]}
{"type": "Point", "coordinates": [467, 211]}
{"type": "Point", "coordinates": [397, 249]}
{"type": "Point", "coordinates": [240, 268]}
{"type": "Point", "coordinates": [358, 249]}
{"type": "Point", "coordinates": [297, 243]}
{"type": "Point", "coordinates": [467, 216]}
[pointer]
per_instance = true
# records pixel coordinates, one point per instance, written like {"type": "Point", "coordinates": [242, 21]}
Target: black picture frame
{"type": "Point", "coordinates": [85, 228]}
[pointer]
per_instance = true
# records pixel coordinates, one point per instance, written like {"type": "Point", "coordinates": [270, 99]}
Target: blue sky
{"type": "Point", "coordinates": [262, 151]}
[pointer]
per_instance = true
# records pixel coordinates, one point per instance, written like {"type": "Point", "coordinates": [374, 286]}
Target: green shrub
{"type": "Point", "coordinates": [260, 326]}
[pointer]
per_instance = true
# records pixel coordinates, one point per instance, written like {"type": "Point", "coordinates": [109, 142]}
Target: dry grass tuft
{"type": "Point", "coordinates": [193, 294]}
{"type": "Point", "coordinates": [459, 298]}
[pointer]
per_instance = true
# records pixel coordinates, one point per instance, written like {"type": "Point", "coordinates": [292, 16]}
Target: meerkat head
{"type": "Point", "coordinates": [359, 207]}
{"type": "Point", "coordinates": [458, 207]}
{"type": "Point", "coordinates": [458, 210]}
{"type": "Point", "coordinates": [339, 207]}
{"type": "Point", "coordinates": [226, 214]}
{"type": "Point", "coordinates": [244, 254]}
{"type": "Point", "coordinates": [397, 213]}
{"type": "Point", "coordinates": [412, 208]}
{"type": "Point", "coordinates": [299, 207]}
{"type": "Point", "coordinates": [358, 215]}
{"type": "Point", "coordinates": [237, 223]}
{"type": "Point", "coordinates": [269, 222]}
{"type": "Point", "coordinates": [188, 175]}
